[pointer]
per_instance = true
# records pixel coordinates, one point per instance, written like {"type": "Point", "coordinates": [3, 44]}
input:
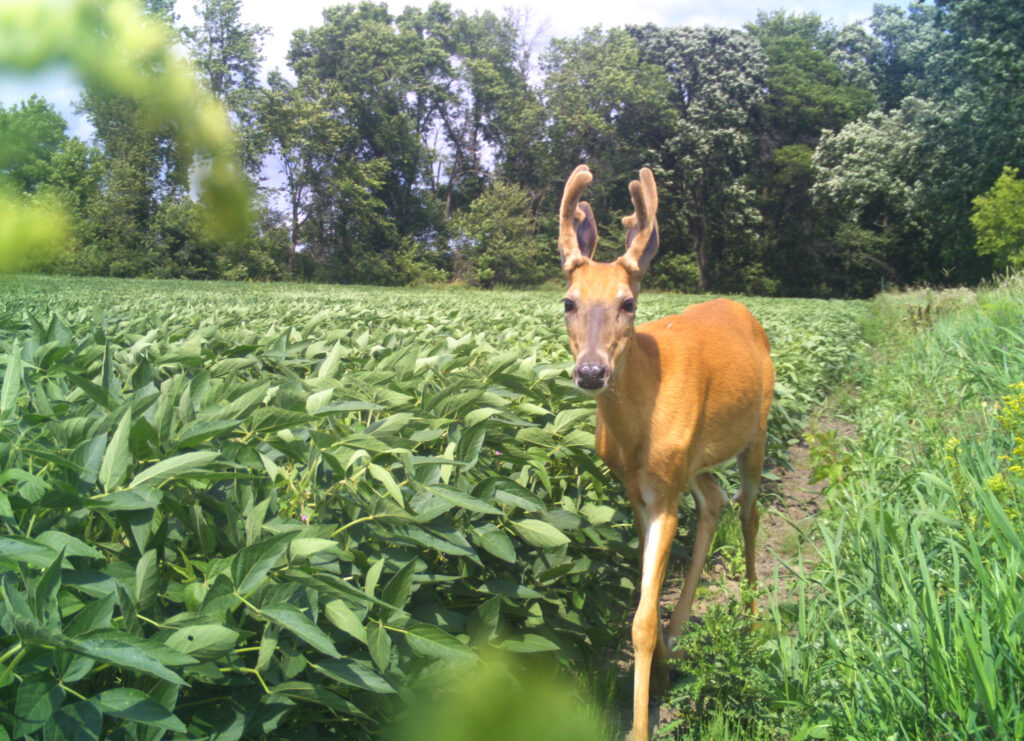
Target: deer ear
{"type": "Point", "coordinates": [586, 230]}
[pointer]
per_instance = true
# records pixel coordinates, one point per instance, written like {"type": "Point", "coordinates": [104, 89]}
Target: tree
{"type": "Point", "coordinates": [816, 79]}
{"type": "Point", "coordinates": [336, 216]}
{"type": "Point", "coordinates": [998, 219]}
{"type": "Point", "coordinates": [606, 106]}
{"type": "Point", "coordinates": [716, 79]}
{"type": "Point", "coordinates": [31, 134]}
{"type": "Point", "coordinates": [496, 240]}
{"type": "Point", "coordinates": [227, 56]}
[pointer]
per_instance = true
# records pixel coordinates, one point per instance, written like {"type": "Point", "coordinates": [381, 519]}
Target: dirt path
{"type": "Point", "coordinates": [788, 507]}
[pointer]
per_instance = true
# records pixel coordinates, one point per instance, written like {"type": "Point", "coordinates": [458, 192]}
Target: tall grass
{"type": "Point", "coordinates": [911, 624]}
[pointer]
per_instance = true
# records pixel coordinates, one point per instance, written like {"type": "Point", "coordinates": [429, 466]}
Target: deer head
{"type": "Point", "coordinates": [600, 303]}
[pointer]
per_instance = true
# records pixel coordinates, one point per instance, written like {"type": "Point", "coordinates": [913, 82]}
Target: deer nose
{"type": "Point", "coordinates": [591, 376]}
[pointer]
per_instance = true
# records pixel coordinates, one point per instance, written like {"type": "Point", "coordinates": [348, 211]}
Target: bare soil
{"type": "Point", "coordinates": [788, 508]}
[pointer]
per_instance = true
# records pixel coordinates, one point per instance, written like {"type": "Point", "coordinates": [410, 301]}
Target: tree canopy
{"type": "Point", "coordinates": [793, 156]}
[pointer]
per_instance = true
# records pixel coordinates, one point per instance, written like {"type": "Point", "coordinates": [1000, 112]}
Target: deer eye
{"type": "Point", "coordinates": [570, 305]}
{"type": "Point", "coordinates": [629, 305]}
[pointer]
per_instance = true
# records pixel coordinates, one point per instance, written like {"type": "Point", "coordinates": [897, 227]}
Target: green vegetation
{"type": "Point", "coordinates": [796, 157]}
{"type": "Point", "coordinates": [909, 623]}
{"type": "Point", "coordinates": [227, 507]}
{"type": "Point", "coordinates": [998, 219]}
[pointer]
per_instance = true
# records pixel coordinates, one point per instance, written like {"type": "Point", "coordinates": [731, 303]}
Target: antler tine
{"type": "Point", "coordinates": [570, 215]}
{"type": "Point", "coordinates": [643, 221]}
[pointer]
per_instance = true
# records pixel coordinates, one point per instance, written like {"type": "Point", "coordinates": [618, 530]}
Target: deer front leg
{"type": "Point", "coordinates": [709, 500]}
{"type": "Point", "coordinates": [664, 516]}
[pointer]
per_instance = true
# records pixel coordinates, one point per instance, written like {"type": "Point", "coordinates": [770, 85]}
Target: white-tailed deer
{"type": "Point", "coordinates": [674, 397]}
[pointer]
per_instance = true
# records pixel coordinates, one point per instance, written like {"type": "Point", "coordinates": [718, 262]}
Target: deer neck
{"type": "Point", "coordinates": [634, 383]}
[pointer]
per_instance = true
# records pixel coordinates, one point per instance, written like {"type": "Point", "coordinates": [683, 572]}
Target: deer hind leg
{"type": "Point", "coordinates": [709, 500]}
{"type": "Point", "coordinates": [751, 463]}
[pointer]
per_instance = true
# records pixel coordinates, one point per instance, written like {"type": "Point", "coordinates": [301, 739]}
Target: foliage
{"type": "Point", "coordinates": [903, 620]}
{"type": "Point", "coordinates": [794, 156]}
{"type": "Point", "coordinates": [495, 243]}
{"type": "Point", "coordinates": [715, 80]}
{"type": "Point", "coordinates": [111, 45]}
{"type": "Point", "coordinates": [998, 220]}
{"type": "Point", "coordinates": [260, 509]}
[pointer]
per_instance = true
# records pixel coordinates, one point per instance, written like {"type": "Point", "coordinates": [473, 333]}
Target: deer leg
{"type": "Point", "coordinates": [647, 639]}
{"type": "Point", "coordinates": [642, 516]}
{"type": "Point", "coordinates": [709, 500]}
{"type": "Point", "coordinates": [751, 462]}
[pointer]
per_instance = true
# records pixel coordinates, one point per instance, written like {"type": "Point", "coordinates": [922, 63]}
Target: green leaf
{"type": "Point", "coordinates": [146, 580]}
{"type": "Point", "coordinates": [203, 641]}
{"type": "Point", "coordinates": [174, 466]}
{"type": "Point", "coordinates": [463, 500]}
{"type": "Point", "coordinates": [430, 640]}
{"type": "Point", "coordinates": [295, 621]}
{"type": "Point", "coordinates": [117, 458]}
{"type": "Point", "coordinates": [330, 365]}
{"type": "Point", "coordinates": [127, 500]}
{"type": "Point", "coordinates": [379, 643]}
{"type": "Point", "coordinates": [341, 616]}
{"type": "Point", "coordinates": [38, 698]}
{"type": "Point", "coordinates": [12, 381]}
{"type": "Point", "coordinates": [540, 534]}
{"type": "Point", "coordinates": [384, 476]}
{"type": "Point", "coordinates": [396, 591]}
{"type": "Point", "coordinates": [495, 542]}
{"type": "Point", "coordinates": [79, 721]}
{"type": "Point", "coordinates": [527, 644]}
{"type": "Point", "coordinates": [250, 566]}
{"type": "Point", "coordinates": [354, 674]}
{"type": "Point", "coordinates": [124, 655]}
{"type": "Point", "coordinates": [25, 550]}
{"type": "Point", "coordinates": [135, 705]}
{"type": "Point", "coordinates": [44, 596]}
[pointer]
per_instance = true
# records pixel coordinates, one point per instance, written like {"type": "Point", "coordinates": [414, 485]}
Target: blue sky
{"type": "Point", "coordinates": [546, 17]}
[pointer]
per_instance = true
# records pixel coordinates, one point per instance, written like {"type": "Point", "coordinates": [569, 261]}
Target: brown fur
{"type": "Point", "coordinates": [683, 393]}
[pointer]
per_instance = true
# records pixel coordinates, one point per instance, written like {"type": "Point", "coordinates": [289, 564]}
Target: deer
{"type": "Point", "coordinates": [675, 397]}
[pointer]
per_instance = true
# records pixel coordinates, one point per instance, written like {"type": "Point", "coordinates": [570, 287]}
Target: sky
{"type": "Point", "coordinates": [551, 19]}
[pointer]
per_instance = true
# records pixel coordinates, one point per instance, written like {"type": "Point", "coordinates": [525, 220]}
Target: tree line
{"type": "Point", "coordinates": [793, 156]}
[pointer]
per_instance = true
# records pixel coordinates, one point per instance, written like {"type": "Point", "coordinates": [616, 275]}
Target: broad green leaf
{"type": "Point", "coordinates": [146, 580]}
{"type": "Point", "coordinates": [12, 382]}
{"type": "Point", "coordinates": [396, 591]}
{"type": "Point", "coordinates": [203, 641]}
{"type": "Point", "coordinates": [142, 498]}
{"type": "Point", "coordinates": [527, 644]}
{"type": "Point", "coordinates": [25, 550]}
{"type": "Point", "coordinates": [463, 500]}
{"type": "Point", "coordinates": [379, 643]}
{"type": "Point", "coordinates": [79, 721]}
{"type": "Point", "coordinates": [330, 365]}
{"type": "Point", "coordinates": [495, 542]}
{"type": "Point", "coordinates": [295, 621]}
{"type": "Point", "coordinates": [429, 640]}
{"type": "Point", "coordinates": [44, 596]}
{"type": "Point", "coordinates": [306, 547]}
{"type": "Point", "coordinates": [124, 655]}
{"type": "Point", "coordinates": [117, 458]}
{"type": "Point", "coordinates": [341, 616]}
{"type": "Point", "coordinates": [174, 466]}
{"type": "Point", "coordinates": [384, 476]}
{"type": "Point", "coordinates": [540, 533]}
{"type": "Point", "coordinates": [250, 566]}
{"type": "Point", "coordinates": [135, 705]}
{"type": "Point", "coordinates": [39, 696]}
{"type": "Point", "coordinates": [353, 674]}
{"type": "Point", "coordinates": [316, 401]}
